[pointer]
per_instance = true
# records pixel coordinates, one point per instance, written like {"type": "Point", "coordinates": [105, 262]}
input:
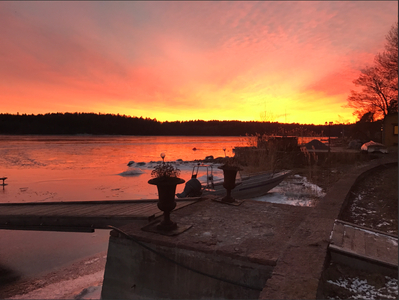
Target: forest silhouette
{"type": "Point", "coordinates": [111, 124]}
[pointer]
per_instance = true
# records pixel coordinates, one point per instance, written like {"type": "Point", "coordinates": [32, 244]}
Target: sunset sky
{"type": "Point", "coordinates": [280, 61]}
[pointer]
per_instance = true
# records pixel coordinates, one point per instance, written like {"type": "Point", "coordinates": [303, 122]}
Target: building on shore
{"type": "Point", "coordinates": [390, 130]}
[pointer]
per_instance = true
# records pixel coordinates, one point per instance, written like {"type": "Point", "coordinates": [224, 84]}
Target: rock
{"type": "Point", "coordinates": [316, 145]}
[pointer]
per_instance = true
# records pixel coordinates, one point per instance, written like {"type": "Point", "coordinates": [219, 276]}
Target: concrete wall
{"type": "Point", "coordinates": [133, 272]}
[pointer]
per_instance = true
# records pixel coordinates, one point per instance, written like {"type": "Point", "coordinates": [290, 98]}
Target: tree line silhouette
{"type": "Point", "coordinates": [111, 124]}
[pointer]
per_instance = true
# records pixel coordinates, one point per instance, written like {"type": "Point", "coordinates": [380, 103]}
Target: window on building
{"type": "Point", "coordinates": [395, 129]}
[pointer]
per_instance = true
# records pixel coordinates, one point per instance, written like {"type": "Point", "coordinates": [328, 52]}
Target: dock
{"type": "Point", "coordinates": [229, 252]}
{"type": "Point", "coordinates": [364, 246]}
{"type": "Point", "coordinates": [80, 216]}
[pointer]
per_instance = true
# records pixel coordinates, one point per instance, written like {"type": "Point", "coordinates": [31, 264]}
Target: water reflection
{"type": "Point", "coordinates": [74, 168]}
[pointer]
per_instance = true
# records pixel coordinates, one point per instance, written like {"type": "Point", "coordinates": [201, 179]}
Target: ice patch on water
{"type": "Point", "coordinates": [131, 172]}
{"type": "Point", "coordinates": [283, 199]}
{"type": "Point", "coordinates": [84, 287]}
{"type": "Point", "coordinates": [21, 160]}
{"type": "Point", "coordinates": [181, 165]}
{"type": "Point", "coordinates": [295, 190]}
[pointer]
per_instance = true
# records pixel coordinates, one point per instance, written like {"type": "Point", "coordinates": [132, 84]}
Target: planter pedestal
{"type": "Point", "coordinates": [156, 228]}
{"type": "Point", "coordinates": [166, 194]}
{"type": "Point", "coordinates": [229, 183]}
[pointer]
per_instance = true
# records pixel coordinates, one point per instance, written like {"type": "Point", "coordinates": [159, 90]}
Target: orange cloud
{"type": "Point", "coordinates": [189, 60]}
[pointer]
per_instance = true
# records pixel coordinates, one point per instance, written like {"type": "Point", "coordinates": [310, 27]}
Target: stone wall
{"type": "Point", "coordinates": [134, 272]}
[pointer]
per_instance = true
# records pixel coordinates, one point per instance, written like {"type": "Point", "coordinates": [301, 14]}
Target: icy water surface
{"type": "Point", "coordinates": [73, 168]}
{"type": "Point", "coordinates": [81, 168]}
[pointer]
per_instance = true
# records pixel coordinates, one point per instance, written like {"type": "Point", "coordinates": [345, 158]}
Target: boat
{"type": "Point", "coordinates": [247, 186]}
{"type": "Point", "coordinates": [372, 146]}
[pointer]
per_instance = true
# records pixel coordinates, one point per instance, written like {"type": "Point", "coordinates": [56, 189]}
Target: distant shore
{"type": "Point", "coordinates": [110, 124]}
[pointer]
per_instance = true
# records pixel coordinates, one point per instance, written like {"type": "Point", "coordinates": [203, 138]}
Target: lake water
{"type": "Point", "coordinates": [72, 168]}
{"type": "Point", "coordinates": [77, 168]}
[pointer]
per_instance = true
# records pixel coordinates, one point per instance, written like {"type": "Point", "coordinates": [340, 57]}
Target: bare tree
{"type": "Point", "coordinates": [388, 60]}
{"type": "Point", "coordinates": [379, 83]}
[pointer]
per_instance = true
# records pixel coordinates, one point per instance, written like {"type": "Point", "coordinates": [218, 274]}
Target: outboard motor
{"type": "Point", "coordinates": [192, 188]}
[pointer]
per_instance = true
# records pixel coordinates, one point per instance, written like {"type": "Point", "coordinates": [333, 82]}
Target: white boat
{"type": "Point", "coordinates": [374, 147]}
{"type": "Point", "coordinates": [247, 187]}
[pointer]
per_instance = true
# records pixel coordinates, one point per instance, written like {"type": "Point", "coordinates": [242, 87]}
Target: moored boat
{"type": "Point", "coordinates": [248, 186]}
{"type": "Point", "coordinates": [374, 147]}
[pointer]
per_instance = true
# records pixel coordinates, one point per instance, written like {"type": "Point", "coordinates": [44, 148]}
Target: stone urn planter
{"type": "Point", "coordinates": [166, 199]}
{"type": "Point", "coordinates": [166, 179]}
{"type": "Point", "coordinates": [229, 183]}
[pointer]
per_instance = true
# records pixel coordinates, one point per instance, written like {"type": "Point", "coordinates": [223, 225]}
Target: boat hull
{"type": "Point", "coordinates": [250, 187]}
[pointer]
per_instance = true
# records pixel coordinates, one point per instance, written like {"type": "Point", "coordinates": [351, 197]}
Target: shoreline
{"type": "Point", "coordinates": [82, 279]}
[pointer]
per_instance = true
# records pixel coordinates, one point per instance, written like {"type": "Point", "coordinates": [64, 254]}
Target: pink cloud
{"type": "Point", "coordinates": [154, 54]}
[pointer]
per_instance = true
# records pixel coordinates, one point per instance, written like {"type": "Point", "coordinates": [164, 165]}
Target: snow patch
{"type": "Point", "coordinates": [362, 290]}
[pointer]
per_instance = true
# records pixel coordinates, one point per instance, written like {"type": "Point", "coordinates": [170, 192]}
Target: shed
{"type": "Point", "coordinates": [390, 130]}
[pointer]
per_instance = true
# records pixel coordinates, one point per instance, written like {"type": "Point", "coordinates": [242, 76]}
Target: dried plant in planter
{"type": "Point", "coordinates": [163, 171]}
{"type": "Point", "coordinates": [166, 178]}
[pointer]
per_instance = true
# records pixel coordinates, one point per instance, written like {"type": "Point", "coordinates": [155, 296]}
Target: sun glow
{"type": "Point", "coordinates": [279, 61]}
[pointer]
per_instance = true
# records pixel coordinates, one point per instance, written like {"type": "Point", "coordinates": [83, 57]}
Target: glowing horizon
{"type": "Point", "coordinates": [287, 62]}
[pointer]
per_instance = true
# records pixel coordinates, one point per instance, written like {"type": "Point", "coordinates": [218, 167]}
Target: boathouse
{"type": "Point", "coordinates": [390, 130]}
